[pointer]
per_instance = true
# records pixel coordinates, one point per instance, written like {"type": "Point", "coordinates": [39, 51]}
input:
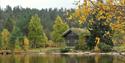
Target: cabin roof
{"type": "Point", "coordinates": [77, 31]}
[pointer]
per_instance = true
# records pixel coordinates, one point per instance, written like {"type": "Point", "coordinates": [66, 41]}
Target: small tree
{"type": "Point", "coordinates": [45, 39]}
{"type": "Point", "coordinates": [17, 44]}
{"type": "Point", "coordinates": [5, 38]}
{"type": "Point", "coordinates": [58, 28]}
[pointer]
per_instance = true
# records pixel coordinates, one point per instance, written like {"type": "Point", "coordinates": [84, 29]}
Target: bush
{"type": "Point", "coordinates": [50, 43]}
{"type": "Point", "coordinates": [81, 47]}
{"type": "Point", "coordinates": [104, 47]}
{"type": "Point", "coordinates": [119, 48]}
{"type": "Point", "coordinates": [64, 50]}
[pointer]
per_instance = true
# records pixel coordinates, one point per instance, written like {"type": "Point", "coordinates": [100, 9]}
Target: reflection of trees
{"type": "Point", "coordinates": [26, 59]}
{"type": "Point", "coordinates": [119, 59]}
{"type": "Point", "coordinates": [94, 59]}
{"type": "Point", "coordinates": [97, 57]}
{"type": "Point", "coordinates": [16, 59]}
{"type": "Point", "coordinates": [38, 59]}
{"type": "Point", "coordinates": [106, 59]}
{"type": "Point", "coordinates": [5, 59]}
{"type": "Point", "coordinates": [85, 59]}
{"type": "Point", "coordinates": [70, 59]}
{"type": "Point", "coordinates": [61, 59]}
{"type": "Point", "coordinates": [1, 59]}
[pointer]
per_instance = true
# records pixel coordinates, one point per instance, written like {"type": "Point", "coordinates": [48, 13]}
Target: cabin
{"type": "Point", "coordinates": [73, 35]}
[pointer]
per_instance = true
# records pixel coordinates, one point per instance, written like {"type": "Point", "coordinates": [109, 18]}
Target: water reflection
{"type": "Point", "coordinates": [61, 59]}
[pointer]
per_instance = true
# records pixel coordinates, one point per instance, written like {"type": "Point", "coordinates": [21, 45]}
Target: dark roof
{"type": "Point", "coordinates": [78, 31]}
{"type": "Point", "coordinates": [67, 32]}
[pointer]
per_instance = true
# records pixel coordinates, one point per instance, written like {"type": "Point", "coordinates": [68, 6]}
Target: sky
{"type": "Point", "coordinates": [39, 4]}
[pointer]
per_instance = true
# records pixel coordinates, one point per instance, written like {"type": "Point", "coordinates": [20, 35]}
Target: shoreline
{"type": "Point", "coordinates": [8, 52]}
{"type": "Point", "coordinates": [74, 53]}
{"type": "Point", "coordinates": [89, 53]}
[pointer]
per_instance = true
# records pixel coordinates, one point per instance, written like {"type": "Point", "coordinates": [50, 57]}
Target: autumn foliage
{"type": "Point", "coordinates": [102, 18]}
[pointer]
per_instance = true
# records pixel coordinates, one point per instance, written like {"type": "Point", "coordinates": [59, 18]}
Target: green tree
{"type": "Point", "coordinates": [17, 44]}
{"type": "Point", "coordinates": [59, 28]}
{"type": "Point", "coordinates": [36, 33]}
{"type": "Point", "coordinates": [5, 38]}
{"type": "Point", "coordinates": [9, 24]}
{"type": "Point", "coordinates": [15, 37]}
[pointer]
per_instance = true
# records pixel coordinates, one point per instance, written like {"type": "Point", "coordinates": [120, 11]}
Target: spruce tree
{"type": "Point", "coordinates": [36, 33]}
{"type": "Point", "coordinates": [58, 28]}
{"type": "Point", "coordinates": [14, 40]}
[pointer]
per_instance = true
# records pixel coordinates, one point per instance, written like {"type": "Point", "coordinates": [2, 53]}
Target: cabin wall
{"type": "Point", "coordinates": [71, 39]}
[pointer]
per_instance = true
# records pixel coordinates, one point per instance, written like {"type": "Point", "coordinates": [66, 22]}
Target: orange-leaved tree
{"type": "Point", "coordinates": [102, 18]}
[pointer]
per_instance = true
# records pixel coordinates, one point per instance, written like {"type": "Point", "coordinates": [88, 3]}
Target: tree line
{"type": "Point", "coordinates": [32, 28]}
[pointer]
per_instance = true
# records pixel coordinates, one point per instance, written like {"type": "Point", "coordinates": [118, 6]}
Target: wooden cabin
{"type": "Point", "coordinates": [73, 35]}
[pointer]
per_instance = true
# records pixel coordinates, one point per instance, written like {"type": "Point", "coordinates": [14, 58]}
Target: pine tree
{"type": "Point", "coordinates": [14, 39]}
{"type": "Point", "coordinates": [36, 33]}
{"type": "Point", "coordinates": [58, 28]}
{"type": "Point", "coordinates": [9, 24]}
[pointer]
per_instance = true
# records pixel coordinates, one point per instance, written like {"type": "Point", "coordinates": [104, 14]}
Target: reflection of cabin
{"type": "Point", "coordinates": [73, 35]}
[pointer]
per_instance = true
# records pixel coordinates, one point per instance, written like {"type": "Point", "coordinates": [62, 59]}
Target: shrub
{"type": "Point", "coordinates": [64, 50]}
{"type": "Point", "coordinates": [104, 47]}
{"type": "Point", "coordinates": [119, 48]}
{"type": "Point", "coordinates": [81, 47]}
{"type": "Point", "coordinates": [26, 43]}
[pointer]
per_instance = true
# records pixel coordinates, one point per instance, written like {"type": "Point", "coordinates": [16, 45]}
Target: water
{"type": "Point", "coordinates": [61, 59]}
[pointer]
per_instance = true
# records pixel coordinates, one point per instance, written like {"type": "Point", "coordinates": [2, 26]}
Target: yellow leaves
{"type": "Point", "coordinates": [117, 26]}
{"type": "Point", "coordinates": [82, 19]}
{"type": "Point", "coordinates": [97, 41]}
{"type": "Point", "coordinates": [101, 17]}
{"type": "Point", "coordinates": [82, 13]}
{"type": "Point", "coordinates": [122, 2]}
{"type": "Point", "coordinates": [110, 2]}
{"type": "Point", "coordinates": [26, 41]}
{"type": "Point", "coordinates": [119, 17]}
{"type": "Point", "coordinates": [70, 17]}
{"type": "Point", "coordinates": [5, 38]}
{"type": "Point", "coordinates": [86, 11]}
{"type": "Point", "coordinates": [108, 11]}
{"type": "Point", "coordinates": [101, 12]}
{"type": "Point", "coordinates": [85, 2]}
{"type": "Point", "coordinates": [5, 35]}
{"type": "Point", "coordinates": [109, 17]}
{"type": "Point", "coordinates": [101, 5]}
{"type": "Point", "coordinates": [77, 12]}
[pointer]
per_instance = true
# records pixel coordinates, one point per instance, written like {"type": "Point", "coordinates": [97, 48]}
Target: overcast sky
{"type": "Point", "coordinates": [39, 4]}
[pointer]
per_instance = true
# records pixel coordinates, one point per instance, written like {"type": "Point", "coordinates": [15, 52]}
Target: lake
{"type": "Point", "coordinates": [35, 58]}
